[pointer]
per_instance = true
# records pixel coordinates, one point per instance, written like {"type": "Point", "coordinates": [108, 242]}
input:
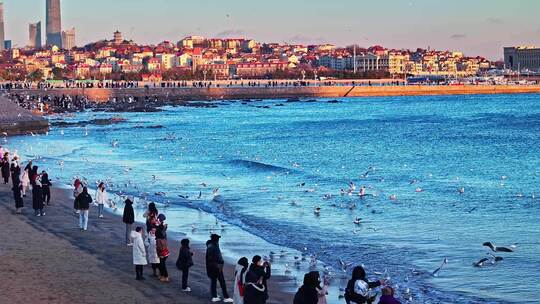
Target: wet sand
{"type": "Point", "coordinates": [49, 260]}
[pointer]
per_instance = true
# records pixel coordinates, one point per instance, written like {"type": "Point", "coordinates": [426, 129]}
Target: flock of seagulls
{"type": "Point", "coordinates": [352, 190]}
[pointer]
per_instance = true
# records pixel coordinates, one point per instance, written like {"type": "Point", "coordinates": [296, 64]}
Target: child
{"type": "Point", "coordinates": [153, 258]}
{"type": "Point", "coordinates": [388, 296]}
{"type": "Point", "coordinates": [184, 262]}
{"type": "Point", "coordinates": [139, 253]}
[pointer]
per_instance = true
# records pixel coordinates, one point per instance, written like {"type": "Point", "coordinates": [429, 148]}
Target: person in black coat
{"type": "Point", "coordinates": [37, 199]}
{"type": "Point", "coordinates": [214, 268]}
{"type": "Point", "coordinates": [128, 217]}
{"type": "Point", "coordinates": [17, 195]}
{"type": "Point", "coordinates": [34, 175]}
{"type": "Point", "coordinates": [15, 171]}
{"type": "Point", "coordinates": [46, 186]}
{"type": "Point", "coordinates": [5, 168]}
{"type": "Point", "coordinates": [254, 290]}
{"type": "Point", "coordinates": [184, 262]}
{"type": "Point", "coordinates": [83, 202]}
{"type": "Point", "coordinates": [263, 270]}
{"type": "Point", "coordinates": [307, 293]}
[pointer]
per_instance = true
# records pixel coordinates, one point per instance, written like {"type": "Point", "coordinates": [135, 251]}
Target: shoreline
{"type": "Point", "coordinates": [106, 258]}
{"type": "Point", "coordinates": [223, 93]}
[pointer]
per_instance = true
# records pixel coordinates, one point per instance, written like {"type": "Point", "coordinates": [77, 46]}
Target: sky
{"type": "Point", "coordinates": [476, 27]}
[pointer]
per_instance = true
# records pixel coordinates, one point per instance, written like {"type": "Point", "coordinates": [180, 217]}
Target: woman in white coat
{"type": "Point", "coordinates": [139, 253]}
{"type": "Point", "coordinates": [153, 258]}
{"type": "Point", "coordinates": [240, 272]}
{"type": "Point", "coordinates": [101, 198]}
{"type": "Point", "coordinates": [25, 181]}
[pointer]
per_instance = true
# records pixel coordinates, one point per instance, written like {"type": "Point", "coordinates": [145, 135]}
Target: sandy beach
{"type": "Point", "coordinates": [49, 260]}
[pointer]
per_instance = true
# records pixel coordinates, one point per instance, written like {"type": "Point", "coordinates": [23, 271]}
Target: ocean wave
{"type": "Point", "coordinates": [259, 166]}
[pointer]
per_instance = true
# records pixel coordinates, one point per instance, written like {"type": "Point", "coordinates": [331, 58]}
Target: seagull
{"type": "Point", "coordinates": [461, 190]}
{"type": "Point", "coordinates": [495, 258]}
{"type": "Point", "coordinates": [357, 221]}
{"type": "Point", "coordinates": [344, 265]}
{"type": "Point", "coordinates": [436, 272]}
{"type": "Point", "coordinates": [481, 262]}
{"type": "Point", "coordinates": [497, 249]}
{"type": "Point", "coordinates": [317, 210]}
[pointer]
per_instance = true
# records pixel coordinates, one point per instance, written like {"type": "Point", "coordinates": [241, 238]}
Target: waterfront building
{"type": "Point", "coordinates": [168, 61]}
{"type": "Point", "coordinates": [34, 37]}
{"type": "Point", "coordinates": [54, 23]}
{"type": "Point", "coordinates": [522, 58]}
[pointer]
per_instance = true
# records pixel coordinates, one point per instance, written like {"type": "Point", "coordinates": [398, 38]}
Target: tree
{"type": "Point", "coordinates": [35, 76]}
{"type": "Point", "coordinates": [58, 73]}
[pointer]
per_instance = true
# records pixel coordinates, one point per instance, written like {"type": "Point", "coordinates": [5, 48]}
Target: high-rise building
{"type": "Point", "coordinates": [68, 39]}
{"type": "Point", "coordinates": [2, 35]}
{"type": "Point", "coordinates": [54, 23]}
{"type": "Point", "coordinates": [34, 32]}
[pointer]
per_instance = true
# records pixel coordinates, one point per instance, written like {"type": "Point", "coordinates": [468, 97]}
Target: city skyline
{"type": "Point", "coordinates": [477, 28]}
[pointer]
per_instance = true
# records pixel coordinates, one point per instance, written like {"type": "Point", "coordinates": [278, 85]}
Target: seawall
{"type": "Point", "coordinates": [15, 120]}
{"type": "Point", "coordinates": [191, 93]}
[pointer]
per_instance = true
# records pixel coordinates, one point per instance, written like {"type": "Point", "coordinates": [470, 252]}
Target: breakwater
{"type": "Point", "coordinates": [197, 93]}
{"type": "Point", "coordinates": [15, 120]}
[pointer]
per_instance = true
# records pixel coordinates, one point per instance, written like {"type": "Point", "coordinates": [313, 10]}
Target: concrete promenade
{"type": "Point", "coordinates": [218, 93]}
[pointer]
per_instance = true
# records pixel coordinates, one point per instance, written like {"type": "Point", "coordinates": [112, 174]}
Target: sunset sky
{"type": "Point", "coordinates": [477, 27]}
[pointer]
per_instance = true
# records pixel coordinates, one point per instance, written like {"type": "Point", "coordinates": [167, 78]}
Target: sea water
{"type": "Point", "coordinates": [274, 162]}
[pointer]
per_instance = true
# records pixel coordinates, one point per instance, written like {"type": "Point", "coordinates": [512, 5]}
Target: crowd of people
{"type": "Point", "coordinates": [150, 246]}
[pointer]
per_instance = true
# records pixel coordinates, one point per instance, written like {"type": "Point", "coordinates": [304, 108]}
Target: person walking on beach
{"type": "Point", "coordinates": [162, 248]}
{"type": "Point", "coordinates": [139, 253]}
{"type": "Point", "coordinates": [4, 164]}
{"type": "Point", "coordinates": [263, 270]}
{"type": "Point", "coordinates": [357, 290]}
{"type": "Point", "coordinates": [184, 262]}
{"type": "Point", "coordinates": [17, 195]}
{"type": "Point", "coordinates": [46, 186]}
{"type": "Point", "coordinates": [101, 198]}
{"type": "Point", "coordinates": [214, 269]}
{"type": "Point", "coordinates": [37, 199]}
{"type": "Point", "coordinates": [82, 203]}
{"type": "Point", "coordinates": [128, 217]}
{"type": "Point", "coordinates": [240, 272]}
{"type": "Point", "coordinates": [77, 190]}
{"type": "Point", "coordinates": [151, 252]}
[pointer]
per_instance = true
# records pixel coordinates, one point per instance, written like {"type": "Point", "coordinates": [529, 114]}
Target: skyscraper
{"type": "Point", "coordinates": [35, 35]}
{"type": "Point", "coordinates": [68, 39]}
{"type": "Point", "coordinates": [2, 37]}
{"type": "Point", "coordinates": [54, 23]}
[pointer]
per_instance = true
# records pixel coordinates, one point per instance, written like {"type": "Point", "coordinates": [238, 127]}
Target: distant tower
{"type": "Point", "coordinates": [34, 32]}
{"type": "Point", "coordinates": [118, 38]}
{"type": "Point", "coordinates": [2, 36]}
{"type": "Point", "coordinates": [68, 39]}
{"type": "Point", "coordinates": [54, 23]}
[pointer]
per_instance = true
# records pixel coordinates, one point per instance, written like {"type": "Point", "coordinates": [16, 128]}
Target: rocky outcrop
{"type": "Point", "coordinates": [15, 120]}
